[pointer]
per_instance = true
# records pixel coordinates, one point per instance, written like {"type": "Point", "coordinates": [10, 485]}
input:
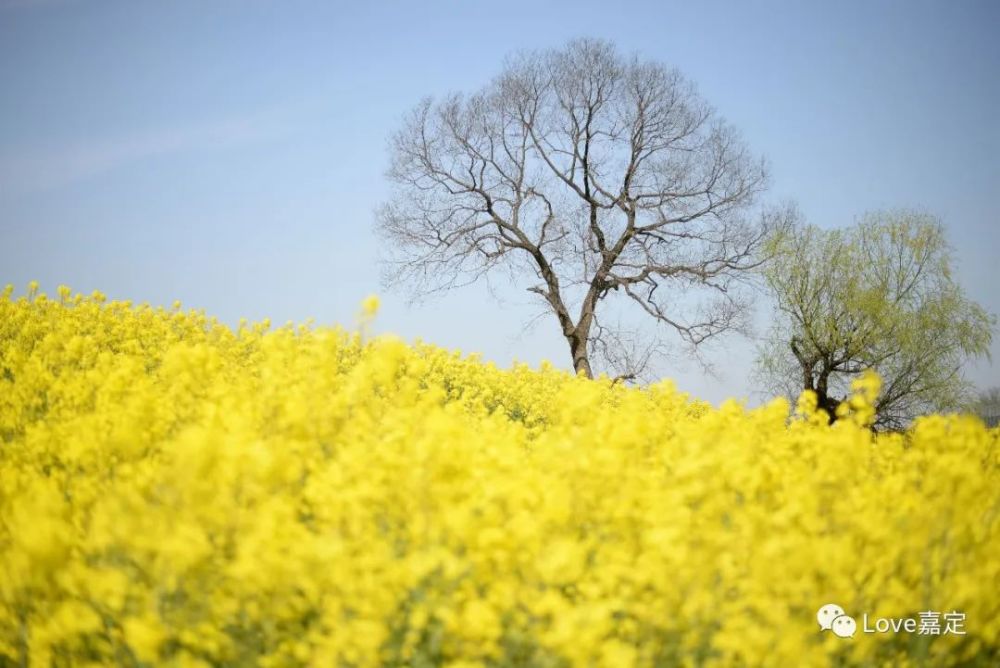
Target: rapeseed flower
{"type": "Point", "coordinates": [174, 492]}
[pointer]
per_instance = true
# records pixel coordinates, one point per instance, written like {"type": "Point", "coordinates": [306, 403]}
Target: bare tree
{"type": "Point", "coordinates": [598, 176]}
{"type": "Point", "coordinates": [987, 406]}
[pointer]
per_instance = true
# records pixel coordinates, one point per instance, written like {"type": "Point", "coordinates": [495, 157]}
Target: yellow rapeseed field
{"type": "Point", "coordinates": [174, 492]}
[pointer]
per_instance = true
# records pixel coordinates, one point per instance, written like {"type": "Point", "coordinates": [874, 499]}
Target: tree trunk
{"type": "Point", "coordinates": [578, 349]}
{"type": "Point", "coordinates": [823, 399]}
{"type": "Point", "coordinates": [819, 384]}
{"type": "Point", "coordinates": [828, 404]}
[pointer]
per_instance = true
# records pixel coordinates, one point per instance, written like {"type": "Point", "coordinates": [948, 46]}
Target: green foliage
{"type": "Point", "coordinates": [880, 295]}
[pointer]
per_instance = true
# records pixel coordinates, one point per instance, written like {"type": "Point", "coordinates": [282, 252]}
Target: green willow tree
{"type": "Point", "coordinates": [880, 295]}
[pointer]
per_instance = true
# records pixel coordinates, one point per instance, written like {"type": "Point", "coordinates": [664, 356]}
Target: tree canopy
{"type": "Point", "coordinates": [880, 295]}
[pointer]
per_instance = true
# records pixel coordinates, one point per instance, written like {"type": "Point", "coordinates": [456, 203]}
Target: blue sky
{"type": "Point", "coordinates": [231, 154]}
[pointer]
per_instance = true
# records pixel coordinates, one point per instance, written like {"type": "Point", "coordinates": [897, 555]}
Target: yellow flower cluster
{"type": "Point", "coordinates": [174, 492]}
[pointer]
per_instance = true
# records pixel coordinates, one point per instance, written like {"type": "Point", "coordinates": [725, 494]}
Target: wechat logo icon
{"type": "Point", "coordinates": [831, 617]}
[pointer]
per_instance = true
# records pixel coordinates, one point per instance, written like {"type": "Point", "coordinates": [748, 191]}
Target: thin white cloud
{"type": "Point", "coordinates": [45, 168]}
